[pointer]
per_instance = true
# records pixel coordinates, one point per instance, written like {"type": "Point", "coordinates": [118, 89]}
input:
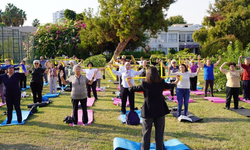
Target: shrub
{"type": "Point", "coordinates": [97, 60]}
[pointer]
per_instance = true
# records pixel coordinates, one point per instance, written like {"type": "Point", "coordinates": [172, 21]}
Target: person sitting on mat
{"type": "Point", "coordinates": [89, 73]}
{"type": "Point", "coordinates": [173, 69]}
{"type": "Point", "coordinates": [208, 73]}
{"type": "Point", "coordinates": [183, 88]}
{"type": "Point", "coordinates": [245, 77]}
{"type": "Point", "coordinates": [78, 93]}
{"type": "Point", "coordinates": [128, 72]}
{"type": "Point", "coordinates": [36, 81]}
{"type": "Point", "coordinates": [12, 92]}
{"type": "Point", "coordinates": [233, 83]}
{"type": "Point", "coordinates": [154, 107]}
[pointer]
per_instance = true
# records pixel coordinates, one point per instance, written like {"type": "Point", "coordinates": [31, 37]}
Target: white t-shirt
{"type": "Point", "coordinates": [98, 75]}
{"type": "Point", "coordinates": [184, 83]}
{"type": "Point", "coordinates": [89, 73]}
{"type": "Point", "coordinates": [122, 68]}
{"type": "Point", "coordinates": [140, 62]}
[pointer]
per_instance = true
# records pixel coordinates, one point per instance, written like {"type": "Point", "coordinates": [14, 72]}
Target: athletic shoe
{"type": "Point", "coordinates": [85, 124]}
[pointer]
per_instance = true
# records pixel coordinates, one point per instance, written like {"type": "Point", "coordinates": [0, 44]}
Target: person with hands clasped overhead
{"type": "Point", "coordinates": [127, 72]}
{"type": "Point", "coordinates": [245, 77]}
{"type": "Point", "coordinates": [208, 73]}
{"type": "Point", "coordinates": [233, 83]}
{"type": "Point", "coordinates": [183, 88]}
{"type": "Point", "coordinates": [78, 93]}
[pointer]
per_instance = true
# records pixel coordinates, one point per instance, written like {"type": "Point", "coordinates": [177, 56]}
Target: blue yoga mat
{"type": "Point", "coordinates": [25, 115]}
{"type": "Point", "coordinates": [44, 83]}
{"type": "Point", "coordinates": [122, 117]}
{"type": "Point", "coordinates": [27, 87]}
{"type": "Point", "coordinates": [199, 88]}
{"type": "Point", "coordinates": [62, 87]}
{"type": "Point", "coordinates": [48, 95]}
{"type": "Point", "coordinates": [173, 144]}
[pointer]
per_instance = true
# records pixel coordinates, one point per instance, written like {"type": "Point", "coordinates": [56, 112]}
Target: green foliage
{"type": "Point", "coordinates": [35, 23]}
{"type": "Point", "coordinates": [3, 24]}
{"type": "Point", "coordinates": [13, 16]}
{"type": "Point", "coordinates": [59, 39]}
{"type": "Point", "coordinates": [183, 54]}
{"type": "Point", "coordinates": [176, 20]}
{"type": "Point", "coordinates": [231, 55]}
{"type": "Point", "coordinates": [79, 17]}
{"type": "Point", "coordinates": [70, 14]}
{"type": "Point", "coordinates": [187, 50]}
{"type": "Point", "coordinates": [172, 51]}
{"type": "Point", "coordinates": [97, 60]}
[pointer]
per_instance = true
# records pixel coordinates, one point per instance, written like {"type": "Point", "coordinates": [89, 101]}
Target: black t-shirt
{"type": "Point", "coordinates": [61, 68]}
{"type": "Point", "coordinates": [11, 83]}
{"type": "Point", "coordinates": [37, 75]}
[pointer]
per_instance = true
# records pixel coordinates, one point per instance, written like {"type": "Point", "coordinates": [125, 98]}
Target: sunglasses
{"type": "Point", "coordinates": [36, 63]}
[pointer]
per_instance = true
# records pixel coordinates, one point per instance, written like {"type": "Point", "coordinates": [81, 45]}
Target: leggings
{"type": "Point", "coordinates": [93, 87]}
{"type": "Point", "coordinates": [211, 83]}
{"type": "Point", "coordinates": [125, 93]}
{"type": "Point", "coordinates": [172, 90]}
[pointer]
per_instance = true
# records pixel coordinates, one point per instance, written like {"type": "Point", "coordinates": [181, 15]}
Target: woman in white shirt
{"type": "Point", "coordinates": [127, 72]}
{"type": "Point", "coordinates": [183, 88]}
{"type": "Point", "coordinates": [89, 74]}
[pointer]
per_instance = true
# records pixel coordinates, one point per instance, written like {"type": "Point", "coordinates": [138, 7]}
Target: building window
{"type": "Point", "coordinates": [182, 38]}
{"type": "Point", "coordinates": [153, 40]}
{"type": "Point", "coordinates": [162, 38]}
{"type": "Point", "coordinates": [190, 38]}
{"type": "Point", "coordinates": [172, 37]}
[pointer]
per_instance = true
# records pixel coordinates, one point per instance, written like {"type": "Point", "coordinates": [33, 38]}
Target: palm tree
{"type": "Point", "coordinates": [35, 23]}
{"type": "Point", "coordinates": [23, 17]}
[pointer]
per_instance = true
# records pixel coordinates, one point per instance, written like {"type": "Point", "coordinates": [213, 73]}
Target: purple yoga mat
{"type": "Point", "coordinates": [2, 104]}
{"type": "Point", "coordinates": [118, 101]}
{"type": "Point", "coordinates": [90, 117]}
{"type": "Point", "coordinates": [166, 93]}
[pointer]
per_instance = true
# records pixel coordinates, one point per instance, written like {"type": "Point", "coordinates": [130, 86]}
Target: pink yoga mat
{"type": "Point", "coordinates": [200, 93]}
{"type": "Point", "coordinates": [216, 99]}
{"type": "Point", "coordinates": [248, 101]}
{"type": "Point", "coordinates": [97, 89]}
{"type": "Point", "coordinates": [90, 117]}
{"type": "Point", "coordinates": [119, 101]}
{"type": "Point", "coordinates": [90, 102]}
{"type": "Point", "coordinates": [166, 93]}
{"type": "Point", "coordinates": [219, 101]}
{"type": "Point", "coordinates": [195, 91]}
{"type": "Point", "coordinates": [176, 101]}
{"type": "Point", "coordinates": [2, 104]}
{"type": "Point", "coordinates": [118, 87]}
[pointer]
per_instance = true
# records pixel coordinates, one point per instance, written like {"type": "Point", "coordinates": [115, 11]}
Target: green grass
{"type": "Point", "coordinates": [220, 129]}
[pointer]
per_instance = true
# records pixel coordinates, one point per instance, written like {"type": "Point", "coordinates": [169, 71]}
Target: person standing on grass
{"type": "Point", "coordinates": [233, 83]}
{"type": "Point", "coordinates": [61, 67]}
{"type": "Point", "coordinates": [12, 92]}
{"type": "Point", "coordinates": [52, 77]}
{"type": "Point", "coordinates": [42, 63]}
{"type": "Point", "coordinates": [208, 73]}
{"type": "Point", "coordinates": [21, 70]}
{"type": "Point", "coordinates": [183, 88]}
{"type": "Point", "coordinates": [89, 73]}
{"type": "Point", "coordinates": [125, 93]}
{"type": "Point", "coordinates": [154, 107]}
{"type": "Point", "coordinates": [78, 93]}
{"type": "Point", "coordinates": [173, 69]}
{"type": "Point", "coordinates": [193, 80]}
{"type": "Point", "coordinates": [36, 82]}
{"type": "Point", "coordinates": [245, 77]}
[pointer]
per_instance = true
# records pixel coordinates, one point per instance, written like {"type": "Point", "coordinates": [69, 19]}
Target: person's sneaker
{"type": "Point", "coordinates": [180, 117]}
{"type": "Point", "coordinates": [85, 124]}
{"type": "Point", "coordinates": [172, 98]}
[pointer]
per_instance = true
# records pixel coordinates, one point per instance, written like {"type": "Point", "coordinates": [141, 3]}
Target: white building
{"type": "Point", "coordinates": [58, 15]}
{"type": "Point", "coordinates": [178, 37]}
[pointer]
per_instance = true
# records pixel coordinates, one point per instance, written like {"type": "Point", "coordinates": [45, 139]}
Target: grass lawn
{"type": "Point", "coordinates": [220, 129]}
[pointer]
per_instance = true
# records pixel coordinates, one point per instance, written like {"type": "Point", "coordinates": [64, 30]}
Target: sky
{"type": "Point", "coordinates": [192, 11]}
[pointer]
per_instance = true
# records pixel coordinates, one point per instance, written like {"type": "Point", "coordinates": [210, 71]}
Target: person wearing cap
{"type": "Point", "coordinates": [89, 74]}
{"type": "Point", "coordinates": [36, 81]}
{"type": "Point", "coordinates": [245, 77]}
{"type": "Point", "coordinates": [125, 93]}
{"type": "Point", "coordinates": [12, 92]}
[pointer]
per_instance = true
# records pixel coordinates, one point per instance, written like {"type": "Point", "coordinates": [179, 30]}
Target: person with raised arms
{"type": "Point", "coordinates": [52, 76]}
{"type": "Point", "coordinates": [233, 83]}
{"type": "Point", "coordinates": [245, 77]}
{"type": "Point", "coordinates": [154, 107]}
{"type": "Point", "coordinates": [208, 73]}
{"type": "Point", "coordinates": [183, 88]}
{"type": "Point", "coordinates": [12, 92]}
{"type": "Point", "coordinates": [78, 93]}
{"type": "Point", "coordinates": [127, 72]}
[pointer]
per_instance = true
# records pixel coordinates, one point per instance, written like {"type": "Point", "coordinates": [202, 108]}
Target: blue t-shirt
{"type": "Point", "coordinates": [209, 72]}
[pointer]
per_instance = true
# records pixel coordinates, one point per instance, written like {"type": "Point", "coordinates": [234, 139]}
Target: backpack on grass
{"type": "Point", "coordinates": [132, 118]}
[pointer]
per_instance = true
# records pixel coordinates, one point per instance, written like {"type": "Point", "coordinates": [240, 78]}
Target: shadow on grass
{"type": "Point", "coordinates": [20, 146]}
{"type": "Point", "coordinates": [208, 120]}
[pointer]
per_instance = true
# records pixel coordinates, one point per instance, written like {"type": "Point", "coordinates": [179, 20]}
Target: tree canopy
{"type": "Point", "coordinates": [35, 23]}
{"type": "Point", "coordinates": [13, 16]}
{"type": "Point", "coordinates": [70, 14]}
{"type": "Point", "coordinates": [176, 20]}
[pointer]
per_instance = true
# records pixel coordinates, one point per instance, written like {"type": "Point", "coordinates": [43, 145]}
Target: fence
{"type": "Point", "coordinates": [16, 45]}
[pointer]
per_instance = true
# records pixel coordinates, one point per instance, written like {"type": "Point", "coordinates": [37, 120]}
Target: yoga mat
{"type": "Point", "coordinates": [118, 87]}
{"type": "Point", "coordinates": [118, 101]}
{"type": "Point", "coordinates": [97, 89]}
{"type": "Point", "coordinates": [194, 118]}
{"type": "Point", "coordinates": [51, 95]}
{"type": "Point", "coordinates": [166, 93]}
{"type": "Point", "coordinates": [90, 117]}
{"type": "Point", "coordinates": [247, 101]}
{"type": "Point", "coordinates": [42, 104]}
{"type": "Point", "coordinates": [216, 99]}
{"type": "Point", "coordinates": [199, 88]}
{"type": "Point", "coordinates": [121, 143]}
{"type": "Point", "coordinates": [242, 111]}
{"type": "Point", "coordinates": [25, 115]}
{"type": "Point", "coordinates": [122, 117]}
{"type": "Point", "coordinates": [195, 91]}
{"type": "Point", "coordinates": [2, 104]}
{"type": "Point", "coordinates": [199, 92]}
{"type": "Point", "coordinates": [27, 87]}
{"type": "Point", "coordinates": [90, 102]}
{"type": "Point", "coordinates": [176, 101]}
{"type": "Point", "coordinates": [44, 83]}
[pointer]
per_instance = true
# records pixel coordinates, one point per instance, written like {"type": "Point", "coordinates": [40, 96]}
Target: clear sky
{"type": "Point", "coordinates": [193, 11]}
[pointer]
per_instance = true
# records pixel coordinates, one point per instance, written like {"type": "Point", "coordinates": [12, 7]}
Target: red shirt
{"type": "Point", "coordinates": [246, 74]}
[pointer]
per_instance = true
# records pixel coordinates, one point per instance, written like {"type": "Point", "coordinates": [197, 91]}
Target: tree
{"type": "Point", "coordinates": [70, 14]}
{"type": "Point", "coordinates": [176, 20]}
{"type": "Point", "coordinates": [124, 19]}
{"type": "Point", "coordinates": [79, 17]}
{"type": "Point", "coordinates": [228, 18]}
{"type": "Point", "coordinates": [35, 23]}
